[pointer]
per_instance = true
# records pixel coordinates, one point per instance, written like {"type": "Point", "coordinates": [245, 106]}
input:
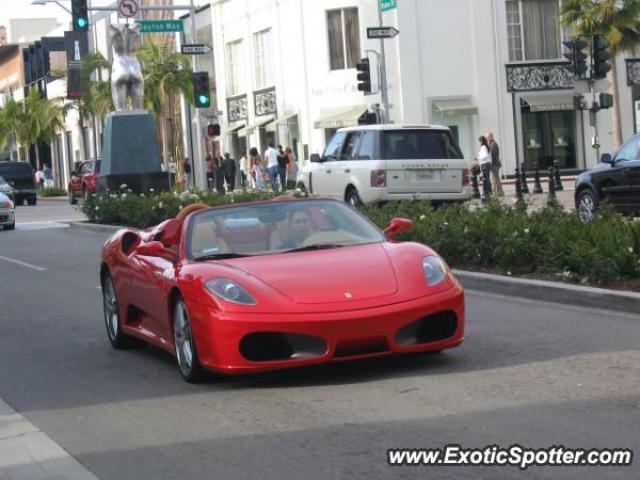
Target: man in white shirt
{"type": "Point", "coordinates": [271, 156]}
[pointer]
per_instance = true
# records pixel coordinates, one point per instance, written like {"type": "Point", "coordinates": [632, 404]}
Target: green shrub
{"type": "Point", "coordinates": [52, 192]}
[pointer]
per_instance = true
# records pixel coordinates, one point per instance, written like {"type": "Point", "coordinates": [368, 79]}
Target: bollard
{"type": "Point", "coordinates": [552, 187]}
{"type": "Point", "coordinates": [474, 182]}
{"type": "Point", "coordinates": [518, 186]}
{"type": "Point", "coordinates": [557, 181]}
{"type": "Point", "coordinates": [537, 186]}
{"type": "Point", "coordinates": [524, 187]}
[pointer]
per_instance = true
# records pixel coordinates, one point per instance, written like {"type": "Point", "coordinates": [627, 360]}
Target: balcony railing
{"type": "Point", "coordinates": [237, 108]}
{"type": "Point", "coordinates": [265, 101]}
{"type": "Point", "coordinates": [528, 77]}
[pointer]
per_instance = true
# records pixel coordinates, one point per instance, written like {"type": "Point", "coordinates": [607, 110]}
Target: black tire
{"type": "Point", "coordinates": [10, 227]}
{"type": "Point", "coordinates": [32, 201]}
{"type": "Point", "coordinates": [185, 345]}
{"type": "Point", "coordinates": [117, 338]}
{"type": "Point", "coordinates": [72, 199]}
{"type": "Point", "coordinates": [18, 201]}
{"type": "Point", "coordinates": [352, 197]}
{"type": "Point", "coordinates": [587, 204]}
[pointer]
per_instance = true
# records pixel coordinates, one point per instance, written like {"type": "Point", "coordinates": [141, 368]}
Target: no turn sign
{"type": "Point", "coordinates": [128, 8]}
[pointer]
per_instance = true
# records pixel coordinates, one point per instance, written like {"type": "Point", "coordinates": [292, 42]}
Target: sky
{"type": "Point", "coordinates": [24, 9]}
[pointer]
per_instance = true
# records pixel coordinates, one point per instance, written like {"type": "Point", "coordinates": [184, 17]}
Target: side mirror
{"type": "Point", "coordinates": [315, 158]}
{"type": "Point", "coordinates": [396, 227]}
{"type": "Point", "coordinates": [154, 249]}
{"type": "Point", "coordinates": [606, 158]}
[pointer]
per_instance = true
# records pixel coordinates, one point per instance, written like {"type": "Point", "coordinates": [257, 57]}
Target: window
{"type": "Point", "coordinates": [344, 38]}
{"type": "Point", "coordinates": [631, 151]}
{"type": "Point", "coordinates": [234, 68]}
{"type": "Point", "coordinates": [367, 148]}
{"type": "Point", "coordinates": [349, 149]}
{"type": "Point", "coordinates": [263, 59]}
{"type": "Point", "coordinates": [419, 145]}
{"type": "Point", "coordinates": [333, 149]}
{"type": "Point", "coordinates": [533, 29]}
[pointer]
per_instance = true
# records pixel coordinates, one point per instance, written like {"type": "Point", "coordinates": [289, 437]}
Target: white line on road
{"type": "Point", "coordinates": [24, 264]}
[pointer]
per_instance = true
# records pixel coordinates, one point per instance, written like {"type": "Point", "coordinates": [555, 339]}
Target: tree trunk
{"type": "Point", "coordinates": [38, 155]}
{"type": "Point", "coordinates": [616, 124]}
{"type": "Point", "coordinates": [85, 150]}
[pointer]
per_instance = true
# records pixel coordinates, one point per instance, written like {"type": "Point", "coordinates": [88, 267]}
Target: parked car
{"type": "Point", "coordinates": [377, 163]}
{"type": "Point", "coordinates": [7, 213]}
{"type": "Point", "coordinates": [276, 284]}
{"type": "Point", "coordinates": [20, 176]}
{"type": "Point", "coordinates": [84, 180]}
{"type": "Point", "coordinates": [7, 189]}
{"type": "Point", "coordinates": [616, 178]}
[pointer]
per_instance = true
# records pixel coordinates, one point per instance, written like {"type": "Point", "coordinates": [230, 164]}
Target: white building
{"type": "Point", "coordinates": [285, 72]}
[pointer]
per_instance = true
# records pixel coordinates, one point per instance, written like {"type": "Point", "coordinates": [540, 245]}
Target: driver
{"type": "Point", "coordinates": [300, 228]}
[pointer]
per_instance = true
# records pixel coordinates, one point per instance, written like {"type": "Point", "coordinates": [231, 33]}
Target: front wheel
{"type": "Point", "coordinates": [32, 200]}
{"type": "Point", "coordinates": [185, 345]}
{"type": "Point", "coordinates": [352, 198]}
{"type": "Point", "coordinates": [11, 226]}
{"type": "Point", "coordinates": [117, 338]}
{"type": "Point", "coordinates": [586, 205]}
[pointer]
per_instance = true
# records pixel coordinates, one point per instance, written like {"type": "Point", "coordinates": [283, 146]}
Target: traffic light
{"type": "Point", "coordinates": [606, 100]}
{"type": "Point", "coordinates": [80, 15]}
{"type": "Point", "coordinates": [364, 76]}
{"type": "Point", "coordinates": [600, 57]}
{"type": "Point", "coordinates": [202, 94]}
{"type": "Point", "coordinates": [576, 56]}
{"type": "Point", "coordinates": [213, 130]}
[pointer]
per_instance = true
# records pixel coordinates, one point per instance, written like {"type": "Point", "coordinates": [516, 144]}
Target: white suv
{"type": "Point", "coordinates": [377, 163]}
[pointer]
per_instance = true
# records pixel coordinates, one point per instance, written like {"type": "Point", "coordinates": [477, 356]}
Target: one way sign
{"type": "Point", "coordinates": [382, 32]}
{"type": "Point", "coordinates": [195, 49]}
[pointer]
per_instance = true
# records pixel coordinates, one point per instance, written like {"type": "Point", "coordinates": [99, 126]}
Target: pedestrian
{"type": "Point", "coordinates": [292, 168]}
{"type": "Point", "coordinates": [271, 157]}
{"type": "Point", "coordinates": [229, 168]}
{"type": "Point", "coordinates": [283, 162]}
{"type": "Point", "coordinates": [210, 171]}
{"type": "Point", "coordinates": [187, 174]}
{"type": "Point", "coordinates": [496, 164]}
{"type": "Point", "coordinates": [40, 179]}
{"type": "Point", "coordinates": [48, 176]}
{"type": "Point", "coordinates": [220, 176]}
{"type": "Point", "coordinates": [257, 174]}
{"type": "Point", "coordinates": [484, 160]}
{"type": "Point", "coordinates": [244, 168]}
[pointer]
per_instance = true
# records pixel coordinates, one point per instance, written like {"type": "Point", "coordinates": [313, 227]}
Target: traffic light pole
{"type": "Point", "coordinates": [384, 96]}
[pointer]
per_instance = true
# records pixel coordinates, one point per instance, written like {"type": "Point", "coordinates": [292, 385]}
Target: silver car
{"type": "Point", "coordinates": [7, 189]}
{"type": "Point", "coordinates": [7, 213]}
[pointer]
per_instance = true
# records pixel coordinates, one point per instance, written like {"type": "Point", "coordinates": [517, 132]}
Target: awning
{"type": "Point", "coordinates": [550, 102]}
{"type": "Point", "coordinates": [456, 106]}
{"type": "Point", "coordinates": [339, 117]}
{"type": "Point", "coordinates": [273, 126]}
{"type": "Point", "coordinates": [243, 131]}
{"type": "Point", "coordinates": [231, 129]}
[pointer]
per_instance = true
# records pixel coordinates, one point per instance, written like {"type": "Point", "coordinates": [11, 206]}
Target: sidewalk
{"type": "Point", "coordinates": [565, 197]}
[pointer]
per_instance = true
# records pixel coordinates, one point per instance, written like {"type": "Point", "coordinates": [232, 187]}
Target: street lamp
{"type": "Point", "coordinates": [44, 2]}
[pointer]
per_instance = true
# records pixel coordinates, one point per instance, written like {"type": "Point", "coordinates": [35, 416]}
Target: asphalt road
{"type": "Point", "coordinates": [533, 374]}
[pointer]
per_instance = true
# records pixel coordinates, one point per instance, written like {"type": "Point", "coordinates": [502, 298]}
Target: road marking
{"type": "Point", "coordinates": [29, 226]}
{"type": "Point", "coordinates": [24, 264]}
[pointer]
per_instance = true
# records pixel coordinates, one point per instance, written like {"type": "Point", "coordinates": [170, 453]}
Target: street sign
{"type": "Point", "coordinates": [386, 5]}
{"type": "Point", "coordinates": [195, 49]}
{"type": "Point", "coordinates": [382, 32]}
{"type": "Point", "coordinates": [152, 26]}
{"type": "Point", "coordinates": [128, 8]}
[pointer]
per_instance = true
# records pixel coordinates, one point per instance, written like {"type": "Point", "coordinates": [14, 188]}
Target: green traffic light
{"type": "Point", "coordinates": [203, 99]}
{"type": "Point", "coordinates": [83, 22]}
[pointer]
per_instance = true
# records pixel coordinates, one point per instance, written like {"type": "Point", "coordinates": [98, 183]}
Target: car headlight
{"type": "Point", "coordinates": [230, 291]}
{"type": "Point", "coordinates": [435, 270]}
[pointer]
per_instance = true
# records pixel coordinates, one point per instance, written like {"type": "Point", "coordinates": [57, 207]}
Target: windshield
{"type": "Point", "coordinates": [15, 168]}
{"type": "Point", "coordinates": [277, 227]}
{"type": "Point", "coordinates": [419, 144]}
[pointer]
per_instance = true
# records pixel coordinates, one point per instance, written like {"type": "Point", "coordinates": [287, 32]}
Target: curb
{"type": "Point", "coordinates": [555, 292]}
{"type": "Point", "coordinates": [93, 227]}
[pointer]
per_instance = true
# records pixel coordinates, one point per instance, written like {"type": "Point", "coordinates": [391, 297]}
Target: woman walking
{"type": "Point", "coordinates": [484, 159]}
{"type": "Point", "coordinates": [256, 170]}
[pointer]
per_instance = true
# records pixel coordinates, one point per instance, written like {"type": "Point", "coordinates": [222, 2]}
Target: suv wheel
{"type": "Point", "coordinates": [586, 205]}
{"type": "Point", "coordinates": [352, 197]}
{"type": "Point", "coordinates": [32, 200]}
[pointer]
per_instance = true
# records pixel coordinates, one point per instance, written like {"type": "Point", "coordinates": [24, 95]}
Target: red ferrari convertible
{"type": "Point", "coordinates": [276, 284]}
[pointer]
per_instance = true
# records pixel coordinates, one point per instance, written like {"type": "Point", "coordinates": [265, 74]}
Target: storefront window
{"type": "Point", "coordinates": [549, 136]}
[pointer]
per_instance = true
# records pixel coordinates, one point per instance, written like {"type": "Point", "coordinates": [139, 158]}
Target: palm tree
{"type": "Point", "coordinates": [9, 118]}
{"type": "Point", "coordinates": [167, 74]}
{"type": "Point", "coordinates": [619, 22]}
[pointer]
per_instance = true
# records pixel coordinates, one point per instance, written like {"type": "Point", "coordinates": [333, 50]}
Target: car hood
{"type": "Point", "coordinates": [355, 273]}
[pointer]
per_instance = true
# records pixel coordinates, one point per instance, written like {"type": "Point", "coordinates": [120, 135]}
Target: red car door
{"type": "Point", "coordinates": [148, 293]}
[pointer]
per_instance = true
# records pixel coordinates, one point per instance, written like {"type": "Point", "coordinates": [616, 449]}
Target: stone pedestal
{"type": "Point", "coordinates": [130, 154]}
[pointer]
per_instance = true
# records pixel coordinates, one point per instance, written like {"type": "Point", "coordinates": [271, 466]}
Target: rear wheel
{"type": "Point", "coordinates": [10, 227]}
{"type": "Point", "coordinates": [18, 201]}
{"type": "Point", "coordinates": [32, 200]}
{"type": "Point", "coordinates": [117, 338]}
{"type": "Point", "coordinates": [185, 344]}
{"type": "Point", "coordinates": [352, 197]}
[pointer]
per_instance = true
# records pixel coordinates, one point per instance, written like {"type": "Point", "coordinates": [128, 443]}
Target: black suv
{"type": "Point", "coordinates": [22, 179]}
{"type": "Point", "coordinates": [616, 179]}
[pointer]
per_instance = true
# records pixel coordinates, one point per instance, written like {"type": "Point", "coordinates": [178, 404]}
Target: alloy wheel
{"type": "Point", "coordinates": [183, 339]}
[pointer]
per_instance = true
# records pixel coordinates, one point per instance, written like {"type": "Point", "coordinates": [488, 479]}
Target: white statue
{"type": "Point", "coordinates": [126, 73]}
